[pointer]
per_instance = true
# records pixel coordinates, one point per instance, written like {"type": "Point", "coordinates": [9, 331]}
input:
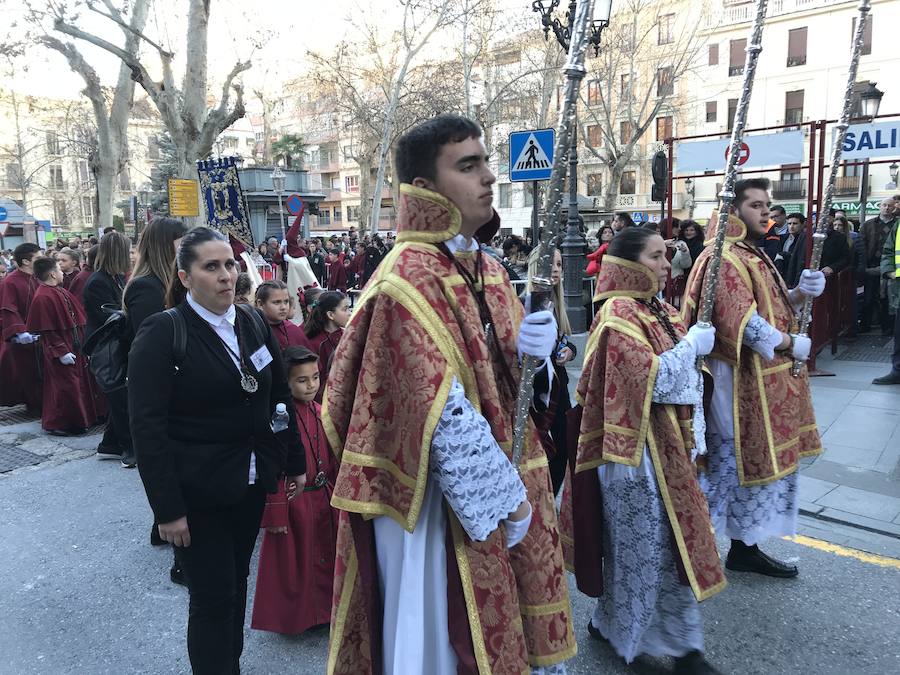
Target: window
{"type": "Point", "coordinates": [351, 184]}
{"type": "Point", "coordinates": [87, 210]}
{"type": "Point", "coordinates": [666, 29]}
{"type": "Point", "coordinates": [594, 184]}
{"type": "Point", "coordinates": [60, 214]}
{"type": "Point", "coordinates": [713, 55]}
{"type": "Point", "coordinates": [663, 128]}
{"type": "Point", "coordinates": [793, 107]}
{"type": "Point", "coordinates": [528, 196]}
{"type": "Point", "coordinates": [13, 176]}
{"type": "Point", "coordinates": [324, 216]}
{"type": "Point", "coordinates": [56, 178]}
{"type": "Point", "coordinates": [665, 81]}
{"type": "Point", "coordinates": [595, 135]}
{"type": "Point", "coordinates": [627, 184]}
{"type": "Point", "coordinates": [124, 180]}
{"type": "Point", "coordinates": [505, 190]}
{"type": "Point", "coordinates": [560, 95]}
{"type": "Point", "coordinates": [732, 110]}
{"type": "Point", "coordinates": [84, 172]}
{"type": "Point", "coordinates": [624, 82]}
{"type": "Point", "coordinates": [52, 143]}
{"type": "Point", "coordinates": [508, 57]}
{"type": "Point", "coordinates": [230, 143]}
{"type": "Point", "coordinates": [737, 56]}
{"type": "Point", "coordinates": [626, 131]}
{"type": "Point", "coordinates": [711, 111]}
{"type": "Point", "coordinates": [503, 156]}
{"type": "Point", "coordinates": [337, 214]}
{"type": "Point", "coordinates": [349, 151]}
{"type": "Point", "coordinates": [867, 35]}
{"type": "Point", "coordinates": [152, 147]}
{"type": "Point", "coordinates": [796, 47]}
{"type": "Point", "coordinates": [593, 92]}
{"type": "Point", "coordinates": [353, 214]}
{"type": "Point", "coordinates": [790, 172]}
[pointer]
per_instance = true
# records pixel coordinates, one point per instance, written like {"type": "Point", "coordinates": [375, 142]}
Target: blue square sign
{"type": "Point", "coordinates": [531, 154]}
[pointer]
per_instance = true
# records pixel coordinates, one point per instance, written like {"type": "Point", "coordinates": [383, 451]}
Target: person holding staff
{"type": "Point", "coordinates": [204, 382]}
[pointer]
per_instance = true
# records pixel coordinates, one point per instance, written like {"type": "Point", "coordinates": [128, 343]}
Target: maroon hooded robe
{"type": "Point", "coordinates": [296, 570]}
{"type": "Point", "coordinates": [77, 284]}
{"type": "Point", "coordinates": [19, 381]}
{"type": "Point", "coordinates": [68, 390]}
{"type": "Point", "coordinates": [289, 334]}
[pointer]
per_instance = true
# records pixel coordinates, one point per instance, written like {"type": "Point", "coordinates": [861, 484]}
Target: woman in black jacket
{"type": "Point", "coordinates": [103, 292]}
{"type": "Point", "coordinates": [201, 418]}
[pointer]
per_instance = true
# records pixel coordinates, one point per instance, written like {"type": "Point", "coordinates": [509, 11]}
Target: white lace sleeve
{"type": "Point", "coordinates": [679, 382]}
{"type": "Point", "coordinates": [761, 337]}
{"type": "Point", "coordinates": [474, 474]}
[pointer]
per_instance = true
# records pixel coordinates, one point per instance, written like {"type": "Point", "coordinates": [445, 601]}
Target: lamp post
{"type": "Point", "coordinates": [690, 189]}
{"type": "Point", "coordinates": [868, 100]}
{"type": "Point", "coordinates": [573, 244]}
{"type": "Point", "coordinates": [278, 179]}
{"type": "Point", "coordinates": [895, 174]}
{"type": "Point", "coordinates": [144, 193]}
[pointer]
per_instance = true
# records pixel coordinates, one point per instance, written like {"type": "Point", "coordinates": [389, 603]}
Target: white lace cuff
{"type": "Point", "coordinates": [678, 380]}
{"type": "Point", "coordinates": [517, 529]}
{"type": "Point", "coordinates": [762, 337]}
{"type": "Point", "coordinates": [474, 474]}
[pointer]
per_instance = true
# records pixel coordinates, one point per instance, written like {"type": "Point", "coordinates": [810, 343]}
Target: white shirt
{"type": "Point", "coordinates": [223, 326]}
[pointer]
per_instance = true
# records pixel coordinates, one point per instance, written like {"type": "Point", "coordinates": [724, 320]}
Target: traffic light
{"type": "Point", "coordinates": [660, 176]}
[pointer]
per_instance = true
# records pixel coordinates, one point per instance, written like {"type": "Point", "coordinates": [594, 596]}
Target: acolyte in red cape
{"type": "Point", "coordinates": [68, 390]}
{"type": "Point", "coordinates": [337, 276]}
{"type": "Point", "coordinates": [288, 334]}
{"type": "Point", "coordinates": [19, 381]}
{"type": "Point", "coordinates": [77, 284]}
{"type": "Point", "coordinates": [323, 345]}
{"type": "Point", "coordinates": [296, 570]}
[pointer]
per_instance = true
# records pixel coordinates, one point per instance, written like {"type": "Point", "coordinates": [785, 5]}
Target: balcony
{"type": "Point", "coordinates": [846, 185]}
{"type": "Point", "coordinates": [789, 189]}
{"type": "Point", "coordinates": [735, 70]}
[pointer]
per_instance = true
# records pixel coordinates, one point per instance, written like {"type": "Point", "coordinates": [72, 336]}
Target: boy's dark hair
{"type": "Point", "coordinates": [625, 218]}
{"type": "Point", "coordinates": [42, 268]}
{"type": "Point", "coordinates": [243, 284]}
{"type": "Point", "coordinates": [24, 252]}
{"type": "Point", "coordinates": [778, 208]}
{"type": "Point", "coordinates": [91, 256]}
{"type": "Point", "coordinates": [797, 215]}
{"type": "Point", "coordinates": [741, 187]}
{"type": "Point", "coordinates": [297, 355]}
{"type": "Point", "coordinates": [418, 149]}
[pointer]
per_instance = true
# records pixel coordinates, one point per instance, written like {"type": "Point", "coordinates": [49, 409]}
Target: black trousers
{"type": "Point", "coordinates": [216, 566]}
{"type": "Point", "coordinates": [895, 357]}
{"type": "Point", "coordinates": [874, 308]}
{"type": "Point", "coordinates": [117, 435]}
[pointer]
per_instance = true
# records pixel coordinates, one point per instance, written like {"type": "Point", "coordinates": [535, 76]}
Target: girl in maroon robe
{"type": "Point", "coordinates": [296, 562]}
{"type": "Point", "coordinates": [58, 318]}
{"type": "Point", "coordinates": [328, 314]}
{"type": "Point", "coordinates": [273, 301]}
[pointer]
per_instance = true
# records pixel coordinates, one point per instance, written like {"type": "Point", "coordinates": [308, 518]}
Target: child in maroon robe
{"type": "Point", "coordinates": [296, 562]}
{"type": "Point", "coordinates": [58, 318]}
{"type": "Point", "coordinates": [337, 272]}
{"type": "Point", "coordinates": [324, 325]}
{"type": "Point", "coordinates": [19, 381]}
{"type": "Point", "coordinates": [273, 301]}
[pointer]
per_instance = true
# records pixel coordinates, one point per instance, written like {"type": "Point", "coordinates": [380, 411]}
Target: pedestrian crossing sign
{"type": "Point", "coordinates": [531, 154]}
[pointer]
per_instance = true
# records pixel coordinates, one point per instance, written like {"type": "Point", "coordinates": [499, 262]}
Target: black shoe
{"type": "Point", "coordinates": [155, 539]}
{"type": "Point", "coordinates": [891, 378]}
{"type": "Point", "coordinates": [129, 461]}
{"type": "Point", "coordinates": [743, 558]}
{"type": "Point", "coordinates": [107, 453]}
{"type": "Point", "coordinates": [694, 663]}
{"type": "Point", "coordinates": [595, 633]}
{"type": "Point", "coordinates": [176, 575]}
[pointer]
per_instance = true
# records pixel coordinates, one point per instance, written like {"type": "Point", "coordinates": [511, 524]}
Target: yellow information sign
{"type": "Point", "coordinates": [184, 199]}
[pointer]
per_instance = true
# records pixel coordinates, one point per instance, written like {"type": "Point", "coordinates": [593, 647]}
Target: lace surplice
{"type": "Point", "coordinates": [678, 382]}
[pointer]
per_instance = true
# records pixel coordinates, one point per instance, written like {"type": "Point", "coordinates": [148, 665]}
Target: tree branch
{"type": "Point", "coordinates": [116, 17]}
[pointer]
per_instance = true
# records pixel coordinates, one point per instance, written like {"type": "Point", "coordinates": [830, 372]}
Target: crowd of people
{"type": "Point", "coordinates": [372, 444]}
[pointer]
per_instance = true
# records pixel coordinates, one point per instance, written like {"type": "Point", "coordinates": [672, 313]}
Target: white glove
{"type": "Point", "coordinates": [802, 346]}
{"type": "Point", "coordinates": [701, 338]}
{"type": "Point", "coordinates": [537, 335]}
{"type": "Point", "coordinates": [25, 338]}
{"type": "Point", "coordinates": [812, 283]}
{"type": "Point", "coordinates": [67, 359]}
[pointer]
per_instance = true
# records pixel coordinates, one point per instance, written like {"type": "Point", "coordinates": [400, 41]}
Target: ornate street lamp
{"type": "Point", "coordinates": [867, 100]}
{"type": "Point", "coordinates": [278, 179]}
{"type": "Point", "coordinates": [691, 190]}
{"type": "Point", "coordinates": [573, 244]}
{"type": "Point", "coordinates": [895, 174]}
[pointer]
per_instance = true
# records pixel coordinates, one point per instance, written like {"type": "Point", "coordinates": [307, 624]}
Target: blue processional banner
{"type": "Point", "coordinates": [220, 191]}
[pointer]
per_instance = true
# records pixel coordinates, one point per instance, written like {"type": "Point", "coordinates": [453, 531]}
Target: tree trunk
{"type": "Point", "coordinates": [365, 194]}
{"type": "Point", "coordinates": [106, 196]}
{"type": "Point", "coordinates": [194, 91]}
{"type": "Point", "coordinates": [612, 188]}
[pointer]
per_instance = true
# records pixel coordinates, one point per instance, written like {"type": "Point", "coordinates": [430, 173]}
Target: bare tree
{"type": "Point", "coordinates": [110, 112]}
{"type": "Point", "coordinates": [634, 81]}
{"type": "Point", "coordinates": [192, 126]}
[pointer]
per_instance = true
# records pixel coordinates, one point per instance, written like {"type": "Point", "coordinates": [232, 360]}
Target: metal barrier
{"type": "Point", "coordinates": [833, 314]}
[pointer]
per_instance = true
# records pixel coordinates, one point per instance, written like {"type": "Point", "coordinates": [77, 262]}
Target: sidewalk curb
{"type": "Point", "coordinates": [819, 515]}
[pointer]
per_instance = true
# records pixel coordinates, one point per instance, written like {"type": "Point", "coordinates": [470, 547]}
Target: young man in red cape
{"type": "Point", "coordinates": [19, 381]}
{"type": "Point", "coordinates": [448, 561]}
{"type": "Point", "coordinates": [760, 419]}
{"type": "Point", "coordinates": [58, 318]}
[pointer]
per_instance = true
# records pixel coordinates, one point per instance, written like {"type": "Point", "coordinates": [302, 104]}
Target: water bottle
{"type": "Point", "coordinates": [280, 418]}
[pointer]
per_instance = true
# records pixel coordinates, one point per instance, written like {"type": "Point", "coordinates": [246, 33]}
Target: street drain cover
{"type": "Point", "coordinates": [12, 457]}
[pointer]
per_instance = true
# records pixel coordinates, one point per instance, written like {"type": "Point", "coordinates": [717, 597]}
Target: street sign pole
{"type": "Point", "coordinates": [535, 224]}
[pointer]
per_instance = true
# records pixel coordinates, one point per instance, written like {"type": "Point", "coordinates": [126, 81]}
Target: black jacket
{"type": "Point", "coordinates": [835, 252]}
{"type": "Point", "coordinates": [101, 289]}
{"type": "Point", "coordinates": [144, 297]}
{"type": "Point", "coordinates": [797, 260]}
{"type": "Point", "coordinates": [194, 427]}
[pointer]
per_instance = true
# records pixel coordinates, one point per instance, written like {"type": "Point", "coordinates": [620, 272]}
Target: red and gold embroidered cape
{"type": "Point", "coordinates": [414, 329]}
{"type": "Point", "coordinates": [619, 420]}
{"type": "Point", "coordinates": [773, 414]}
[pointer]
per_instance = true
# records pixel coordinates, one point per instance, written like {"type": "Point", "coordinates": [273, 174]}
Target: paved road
{"type": "Point", "coordinates": [82, 591]}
